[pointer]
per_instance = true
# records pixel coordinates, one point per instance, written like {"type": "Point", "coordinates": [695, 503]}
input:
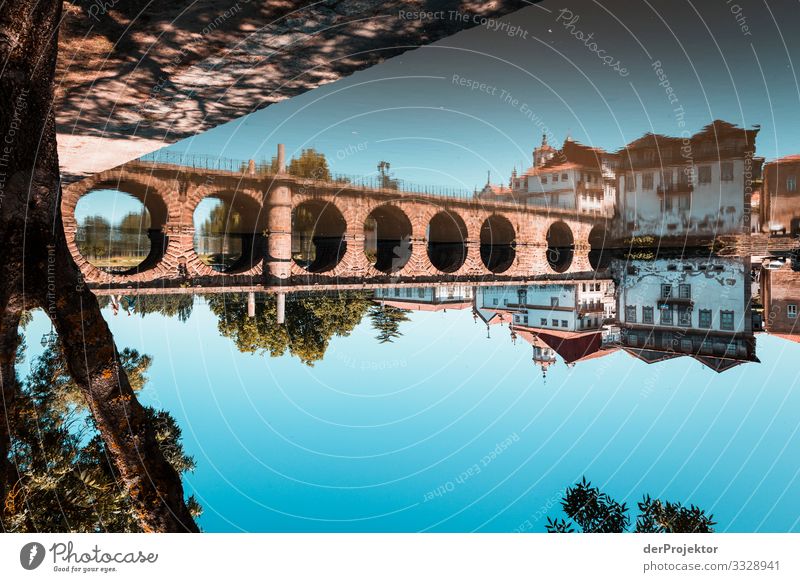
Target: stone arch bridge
{"type": "Point", "coordinates": [301, 232]}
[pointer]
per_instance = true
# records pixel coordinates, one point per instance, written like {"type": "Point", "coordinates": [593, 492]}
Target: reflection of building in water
{"type": "Point", "coordinates": [780, 292]}
{"type": "Point", "coordinates": [575, 177]}
{"type": "Point", "coordinates": [780, 203]}
{"type": "Point", "coordinates": [696, 186]}
{"type": "Point", "coordinates": [567, 319]}
{"type": "Point", "coordinates": [698, 307]}
{"type": "Point", "coordinates": [438, 298]}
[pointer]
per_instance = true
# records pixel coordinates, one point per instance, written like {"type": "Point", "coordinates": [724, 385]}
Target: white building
{"type": "Point", "coordinates": [435, 298]}
{"type": "Point", "coordinates": [697, 306]}
{"type": "Point", "coordinates": [574, 306]}
{"type": "Point", "coordinates": [697, 185]}
{"type": "Point", "coordinates": [576, 177]}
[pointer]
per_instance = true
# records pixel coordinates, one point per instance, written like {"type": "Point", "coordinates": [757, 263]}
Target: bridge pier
{"type": "Point", "coordinates": [278, 262]}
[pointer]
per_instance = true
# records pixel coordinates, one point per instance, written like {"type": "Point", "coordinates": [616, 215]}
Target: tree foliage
{"type": "Point", "coordinates": [595, 512]}
{"type": "Point", "coordinates": [63, 480]}
{"type": "Point", "coordinates": [386, 321]}
{"type": "Point", "coordinates": [311, 322]}
{"type": "Point", "coordinates": [310, 164]}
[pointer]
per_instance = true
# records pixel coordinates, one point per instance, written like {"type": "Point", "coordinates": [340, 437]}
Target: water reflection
{"type": "Point", "coordinates": [697, 305]}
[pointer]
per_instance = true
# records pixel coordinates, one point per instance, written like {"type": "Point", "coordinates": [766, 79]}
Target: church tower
{"type": "Point", "coordinates": [543, 153]}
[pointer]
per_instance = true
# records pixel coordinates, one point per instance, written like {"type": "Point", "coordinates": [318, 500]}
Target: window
{"type": "Point", "coordinates": [726, 320]}
{"type": "Point", "coordinates": [584, 287]}
{"type": "Point", "coordinates": [686, 176]}
{"type": "Point", "coordinates": [685, 291]}
{"type": "Point", "coordinates": [666, 180]}
{"type": "Point", "coordinates": [409, 291]}
{"type": "Point", "coordinates": [421, 293]}
{"type": "Point", "coordinates": [705, 319]}
{"type": "Point", "coordinates": [554, 302]}
{"type": "Point", "coordinates": [543, 322]}
{"type": "Point", "coordinates": [525, 319]}
{"type": "Point", "coordinates": [555, 177]}
{"type": "Point", "coordinates": [564, 323]}
{"type": "Point", "coordinates": [544, 179]}
{"type": "Point", "coordinates": [666, 315]}
{"type": "Point", "coordinates": [630, 182]}
{"type": "Point", "coordinates": [686, 345]}
{"type": "Point", "coordinates": [791, 184]}
{"type": "Point", "coordinates": [555, 323]}
{"type": "Point", "coordinates": [726, 171]}
{"type": "Point", "coordinates": [630, 313]}
{"type": "Point", "coordinates": [522, 296]}
{"type": "Point", "coordinates": [564, 177]}
{"type": "Point", "coordinates": [647, 315]}
{"type": "Point", "coordinates": [684, 202]}
{"type": "Point", "coordinates": [704, 174]}
{"type": "Point", "coordinates": [495, 301]}
{"type": "Point", "coordinates": [647, 181]}
{"type": "Point", "coordinates": [666, 291]}
{"type": "Point", "coordinates": [684, 316]}
{"type": "Point", "coordinates": [791, 311]}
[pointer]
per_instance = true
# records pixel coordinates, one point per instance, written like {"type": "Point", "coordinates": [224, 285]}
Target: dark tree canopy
{"type": "Point", "coordinates": [63, 480]}
{"type": "Point", "coordinates": [595, 512]}
{"type": "Point", "coordinates": [386, 321]}
{"type": "Point", "coordinates": [311, 322]}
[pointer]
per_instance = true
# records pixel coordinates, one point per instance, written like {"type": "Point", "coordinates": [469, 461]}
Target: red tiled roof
{"type": "Point", "coordinates": [792, 158]}
{"type": "Point", "coordinates": [715, 130]}
{"type": "Point", "coordinates": [792, 337]}
{"type": "Point", "coordinates": [571, 346]}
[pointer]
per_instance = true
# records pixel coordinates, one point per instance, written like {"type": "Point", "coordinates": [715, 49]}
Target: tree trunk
{"type": "Point", "coordinates": [47, 276]}
{"type": "Point", "coordinates": [9, 341]}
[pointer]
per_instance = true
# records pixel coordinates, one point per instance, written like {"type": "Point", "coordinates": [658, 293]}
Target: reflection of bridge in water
{"type": "Point", "coordinates": [302, 233]}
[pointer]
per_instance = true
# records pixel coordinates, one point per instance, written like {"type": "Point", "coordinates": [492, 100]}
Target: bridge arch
{"type": "Point", "coordinates": [229, 236]}
{"type": "Point", "coordinates": [318, 235]}
{"type": "Point", "coordinates": [447, 237]}
{"type": "Point", "coordinates": [599, 246]}
{"type": "Point", "coordinates": [498, 243]}
{"type": "Point", "coordinates": [387, 238]}
{"type": "Point", "coordinates": [560, 246]}
{"type": "Point", "coordinates": [150, 193]}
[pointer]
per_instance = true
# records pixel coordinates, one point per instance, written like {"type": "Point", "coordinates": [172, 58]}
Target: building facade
{"type": "Point", "coordinates": [698, 307]}
{"type": "Point", "coordinates": [780, 199]}
{"type": "Point", "coordinates": [698, 185]}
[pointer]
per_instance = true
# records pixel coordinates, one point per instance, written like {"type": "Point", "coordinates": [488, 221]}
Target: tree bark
{"type": "Point", "coordinates": [44, 274]}
{"type": "Point", "coordinates": [9, 341]}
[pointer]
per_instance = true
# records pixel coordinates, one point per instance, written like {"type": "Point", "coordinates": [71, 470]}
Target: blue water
{"type": "Point", "coordinates": [404, 436]}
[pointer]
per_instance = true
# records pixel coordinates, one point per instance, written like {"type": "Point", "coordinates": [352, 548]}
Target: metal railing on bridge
{"type": "Point", "coordinates": [373, 181]}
